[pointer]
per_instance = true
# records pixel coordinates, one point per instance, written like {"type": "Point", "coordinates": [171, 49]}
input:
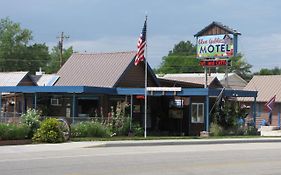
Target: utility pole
{"type": "Point", "coordinates": [60, 45]}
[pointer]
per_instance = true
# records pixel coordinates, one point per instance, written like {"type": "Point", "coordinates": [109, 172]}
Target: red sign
{"type": "Point", "coordinates": [214, 63]}
{"type": "Point", "coordinates": [140, 97]}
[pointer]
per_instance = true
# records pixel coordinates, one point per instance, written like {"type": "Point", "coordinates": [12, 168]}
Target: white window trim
{"type": "Point", "coordinates": [197, 108]}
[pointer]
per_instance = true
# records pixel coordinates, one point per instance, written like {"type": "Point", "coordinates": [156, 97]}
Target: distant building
{"type": "Point", "coordinates": [234, 80]}
{"type": "Point", "coordinates": [267, 87]}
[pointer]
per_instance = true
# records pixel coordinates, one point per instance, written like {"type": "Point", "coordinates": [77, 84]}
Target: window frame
{"type": "Point", "coordinates": [197, 113]}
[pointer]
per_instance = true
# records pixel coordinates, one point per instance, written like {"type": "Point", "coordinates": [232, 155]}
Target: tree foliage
{"type": "Point", "coordinates": [182, 59]}
{"type": "Point", "coordinates": [265, 71]}
{"type": "Point", "coordinates": [239, 66]}
{"type": "Point", "coordinates": [54, 64]}
{"type": "Point", "coordinates": [15, 53]}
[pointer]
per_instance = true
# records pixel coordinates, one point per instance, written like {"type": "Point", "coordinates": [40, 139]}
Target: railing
{"type": "Point", "coordinates": [10, 117]}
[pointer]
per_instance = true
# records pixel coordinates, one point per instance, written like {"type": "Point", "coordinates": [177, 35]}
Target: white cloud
{"type": "Point", "coordinates": [263, 51]}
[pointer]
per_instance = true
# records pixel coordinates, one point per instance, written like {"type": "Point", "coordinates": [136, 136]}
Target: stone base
{"type": "Point", "coordinates": [270, 131]}
{"type": "Point", "coordinates": [204, 134]}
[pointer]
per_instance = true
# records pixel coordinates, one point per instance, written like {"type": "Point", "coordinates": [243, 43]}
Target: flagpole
{"type": "Point", "coordinates": [145, 86]}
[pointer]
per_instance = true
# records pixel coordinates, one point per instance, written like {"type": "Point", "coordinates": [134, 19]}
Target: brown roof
{"type": "Point", "coordinates": [220, 25]}
{"type": "Point", "coordinates": [99, 69]}
{"type": "Point", "coordinates": [267, 87]}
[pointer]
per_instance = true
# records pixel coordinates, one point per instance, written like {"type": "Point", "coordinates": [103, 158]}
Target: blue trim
{"type": "Point", "coordinates": [73, 107]}
{"type": "Point", "coordinates": [207, 121]}
{"type": "Point", "coordinates": [0, 104]}
{"type": "Point", "coordinates": [233, 93]}
{"type": "Point", "coordinates": [130, 91]}
{"type": "Point", "coordinates": [235, 44]}
{"type": "Point", "coordinates": [254, 111]}
{"type": "Point", "coordinates": [125, 91]}
{"type": "Point", "coordinates": [279, 119]}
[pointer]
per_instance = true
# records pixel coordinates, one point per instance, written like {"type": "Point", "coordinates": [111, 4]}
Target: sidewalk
{"type": "Point", "coordinates": [96, 144]}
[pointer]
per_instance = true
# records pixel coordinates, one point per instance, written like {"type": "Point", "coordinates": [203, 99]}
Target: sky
{"type": "Point", "coordinates": [95, 26]}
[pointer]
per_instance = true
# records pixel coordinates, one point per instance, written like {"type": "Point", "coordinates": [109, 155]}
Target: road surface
{"type": "Point", "coordinates": [204, 159]}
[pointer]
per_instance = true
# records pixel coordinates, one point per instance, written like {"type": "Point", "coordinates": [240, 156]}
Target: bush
{"type": "Point", "coordinates": [32, 119]}
{"type": "Point", "coordinates": [137, 130]}
{"type": "Point", "coordinates": [251, 130]}
{"type": "Point", "coordinates": [121, 126]}
{"type": "Point", "coordinates": [90, 129]}
{"type": "Point", "coordinates": [49, 132]}
{"type": "Point", "coordinates": [13, 131]}
{"type": "Point", "coordinates": [216, 130]}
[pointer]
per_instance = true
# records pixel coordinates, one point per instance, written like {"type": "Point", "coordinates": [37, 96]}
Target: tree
{"type": "Point", "coordinates": [54, 63]}
{"type": "Point", "coordinates": [239, 66]}
{"type": "Point", "coordinates": [15, 53]}
{"type": "Point", "coordinates": [265, 71]}
{"type": "Point", "coordinates": [182, 59]}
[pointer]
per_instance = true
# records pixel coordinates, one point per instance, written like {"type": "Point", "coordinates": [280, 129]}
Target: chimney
{"type": "Point", "coordinates": [40, 72]}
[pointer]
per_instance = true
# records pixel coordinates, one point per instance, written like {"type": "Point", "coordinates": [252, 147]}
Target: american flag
{"type": "Point", "coordinates": [141, 45]}
{"type": "Point", "coordinates": [269, 105]}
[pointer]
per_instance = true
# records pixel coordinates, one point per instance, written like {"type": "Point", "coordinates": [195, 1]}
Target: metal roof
{"type": "Point", "coordinates": [11, 78]}
{"type": "Point", "coordinates": [267, 86]}
{"type": "Point", "coordinates": [98, 69]}
{"type": "Point", "coordinates": [220, 25]}
{"type": "Point", "coordinates": [189, 79]}
{"type": "Point", "coordinates": [47, 80]}
{"type": "Point", "coordinates": [234, 80]}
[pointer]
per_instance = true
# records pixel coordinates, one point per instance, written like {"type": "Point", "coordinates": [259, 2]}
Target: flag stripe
{"type": "Point", "coordinates": [141, 45]}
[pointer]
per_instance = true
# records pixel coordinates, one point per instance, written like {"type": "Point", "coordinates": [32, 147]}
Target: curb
{"type": "Point", "coordinates": [184, 142]}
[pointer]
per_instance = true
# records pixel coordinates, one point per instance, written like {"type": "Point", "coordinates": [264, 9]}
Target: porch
{"type": "Point", "coordinates": [177, 112]}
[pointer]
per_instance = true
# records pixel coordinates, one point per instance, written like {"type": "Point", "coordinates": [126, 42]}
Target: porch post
{"type": "Point", "coordinates": [131, 113]}
{"type": "Point", "coordinates": [279, 119]}
{"type": "Point", "coordinates": [73, 107]}
{"type": "Point", "coordinates": [0, 104]}
{"type": "Point", "coordinates": [207, 122]}
{"type": "Point", "coordinates": [254, 110]}
{"type": "Point", "coordinates": [35, 100]}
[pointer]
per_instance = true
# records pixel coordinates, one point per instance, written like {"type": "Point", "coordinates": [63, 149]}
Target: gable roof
{"type": "Point", "coordinates": [197, 80]}
{"type": "Point", "coordinates": [98, 69]}
{"type": "Point", "coordinates": [234, 81]}
{"type": "Point", "coordinates": [14, 78]}
{"type": "Point", "coordinates": [267, 87]}
{"type": "Point", "coordinates": [45, 79]}
{"type": "Point", "coordinates": [220, 25]}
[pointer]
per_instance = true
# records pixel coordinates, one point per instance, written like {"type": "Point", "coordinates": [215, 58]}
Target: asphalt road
{"type": "Point", "coordinates": [204, 159]}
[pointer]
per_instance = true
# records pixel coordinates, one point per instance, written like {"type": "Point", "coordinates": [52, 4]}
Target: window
{"type": "Point", "coordinates": [55, 102]}
{"type": "Point", "coordinates": [197, 113]}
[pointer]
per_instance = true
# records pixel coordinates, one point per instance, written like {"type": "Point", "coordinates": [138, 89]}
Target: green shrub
{"type": "Point", "coordinates": [49, 132]}
{"type": "Point", "coordinates": [90, 129]}
{"type": "Point", "coordinates": [216, 130]}
{"type": "Point", "coordinates": [137, 130]}
{"type": "Point", "coordinates": [121, 126]}
{"type": "Point", "coordinates": [32, 119]}
{"type": "Point", "coordinates": [13, 131]}
{"type": "Point", "coordinates": [251, 130]}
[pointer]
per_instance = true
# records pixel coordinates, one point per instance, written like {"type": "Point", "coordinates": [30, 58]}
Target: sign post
{"type": "Point", "coordinates": [216, 43]}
